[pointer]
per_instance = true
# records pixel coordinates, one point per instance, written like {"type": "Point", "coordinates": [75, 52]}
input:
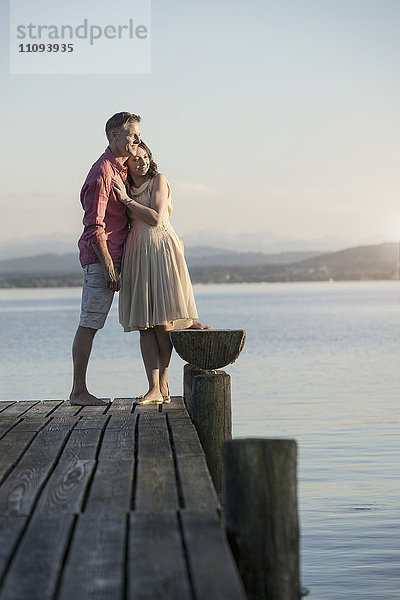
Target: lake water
{"type": "Point", "coordinates": [320, 364]}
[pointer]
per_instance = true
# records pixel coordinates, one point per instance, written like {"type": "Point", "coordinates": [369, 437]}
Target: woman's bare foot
{"type": "Point", "coordinates": [85, 399]}
{"type": "Point", "coordinates": [198, 325]}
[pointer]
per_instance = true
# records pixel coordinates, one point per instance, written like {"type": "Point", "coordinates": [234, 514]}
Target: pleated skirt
{"type": "Point", "coordinates": [155, 282]}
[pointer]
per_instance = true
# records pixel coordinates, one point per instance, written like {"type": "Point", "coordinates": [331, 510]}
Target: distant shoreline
{"type": "Point", "coordinates": [43, 282]}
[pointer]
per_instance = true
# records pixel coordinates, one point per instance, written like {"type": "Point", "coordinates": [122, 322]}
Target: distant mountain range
{"type": "Point", "coordinates": [254, 241]}
{"type": "Point", "coordinates": [216, 265]}
{"type": "Point", "coordinates": [380, 262]}
{"type": "Point", "coordinates": [199, 256]}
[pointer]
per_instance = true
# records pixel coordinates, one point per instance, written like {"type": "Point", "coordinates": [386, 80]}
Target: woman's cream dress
{"type": "Point", "coordinates": [155, 282]}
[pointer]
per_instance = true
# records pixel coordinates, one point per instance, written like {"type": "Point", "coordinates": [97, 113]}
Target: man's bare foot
{"type": "Point", "coordinates": [85, 399]}
{"type": "Point", "coordinates": [198, 325]}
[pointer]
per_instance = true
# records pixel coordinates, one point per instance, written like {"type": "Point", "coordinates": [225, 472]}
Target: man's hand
{"type": "Point", "coordinates": [112, 278]}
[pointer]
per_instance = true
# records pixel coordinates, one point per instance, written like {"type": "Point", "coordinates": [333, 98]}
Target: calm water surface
{"type": "Point", "coordinates": [320, 365]}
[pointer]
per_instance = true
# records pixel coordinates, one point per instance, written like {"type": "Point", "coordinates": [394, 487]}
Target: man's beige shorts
{"type": "Point", "coordinates": [96, 297]}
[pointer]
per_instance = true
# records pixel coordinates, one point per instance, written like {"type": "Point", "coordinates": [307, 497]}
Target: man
{"type": "Point", "coordinates": [101, 245]}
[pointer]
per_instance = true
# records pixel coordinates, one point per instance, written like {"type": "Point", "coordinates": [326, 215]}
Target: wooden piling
{"type": "Point", "coordinates": [260, 508]}
{"type": "Point", "coordinates": [208, 402]}
{"type": "Point", "coordinates": [189, 373]}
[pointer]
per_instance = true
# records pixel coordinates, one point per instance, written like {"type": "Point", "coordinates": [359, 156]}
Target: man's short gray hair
{"type": "Point", "coordinates": [118, 120]}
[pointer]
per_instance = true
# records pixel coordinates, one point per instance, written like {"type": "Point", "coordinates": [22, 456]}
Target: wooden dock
{"type": "Point", "coordinates": [108, 503]}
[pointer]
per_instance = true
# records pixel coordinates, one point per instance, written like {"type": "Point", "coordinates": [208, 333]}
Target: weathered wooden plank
{"type": "Point", "coordinates": [20, 489]}
{"type": "Point", "coordinates": [156, 485]}
{"type": "Point", "coordinates": [176, 404]}
{"type": "Point", "coordinates": [18, 408]}
{"type": "Point", "coordinates": [95, 410]}
{"type": "Point", "coordinates": [66, 409]}
{"type": "Point", "coordinates": [35, 568]}
{"type": "Point", "coordinates": [155, 444]}
{"type": "Point", "coordinates": [111, 488]}
{"type": "Point", "coordinates": [117, 444]}
{"type": "Point", "coordinates": [152, 421]}
{"type": "Point", "coordinates": [184, 435]}
{"type": "Point", "coordinates": [94, 568]}
{"type": "Point", "coordinates": [156, 563]}
{"type": "Point", "coordinates": [153, 439]}
{"type": "Point", "coordinates": [43, 408]}
{"type": "Point", "coordinates": [4, 404]}
{"type": "Point", "coordinates": [151, 414]}
{"type": "Point", "coordinates": [9, 419]}
{"type": "Point", "coordinates": [177, 407]}
{"type": "Point", "coordinates": [81, 445]}
{"type": "Point", "coordinates": [121, 406]}
{"type": "Point", "coordinates": [149, 409]}
{"type": "Point", "coordinates": [45, 446]}
{"type": "Point", "coordinates": [10, 531]}
{"type": "Point", "coordinates": [32, 424]}
{"type": "Point", "coordinates": [214, 573]}
{"type": "Point", "coordinates": [7, 423]}
{"type": "Point", "coordinates": [15, 442]}
{"type": "Point", "coordinates": [178, 412]}
{"type": "Point", "coordinates": [121, 421]}
{"type": "Point", "coordinates": [65, 489]}
{"type": "Point", "coordinates": [6, 464]}
{"type": "Point", "coordinates": [197, 487]}
{"type": "Point", "coordinates": [92, 421]}
{"type": "Point", "coordinates": [58, 423]}
{"type": "Point", "coordinates": [12, 446]}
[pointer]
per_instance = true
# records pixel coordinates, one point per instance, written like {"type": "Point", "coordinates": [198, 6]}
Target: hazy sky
{"type": "Point", "coordinates": [278, 117]}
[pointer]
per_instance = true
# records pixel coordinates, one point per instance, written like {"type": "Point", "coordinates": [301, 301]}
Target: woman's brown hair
{"type": "Point", "coordinates": [153, 169]}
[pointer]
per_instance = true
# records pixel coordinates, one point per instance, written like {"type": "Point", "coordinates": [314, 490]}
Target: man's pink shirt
{"type": "Point", "coordinates": [105, 216]}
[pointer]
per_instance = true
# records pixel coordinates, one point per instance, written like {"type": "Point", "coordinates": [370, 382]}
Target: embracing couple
{"type": "Point", "coordinates": [128, 245]}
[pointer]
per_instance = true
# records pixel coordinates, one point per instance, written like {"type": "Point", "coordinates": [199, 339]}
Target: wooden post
{"type": "Point", "coordinates": [209, 406]}
{"type": "Point", "coordinates": [260, 508]}
{"type": "Point", "coordinates": [189, 372]}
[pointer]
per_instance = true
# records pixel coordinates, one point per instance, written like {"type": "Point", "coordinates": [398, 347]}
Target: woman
{"type": "Point", "coordinates": [156, 294]}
